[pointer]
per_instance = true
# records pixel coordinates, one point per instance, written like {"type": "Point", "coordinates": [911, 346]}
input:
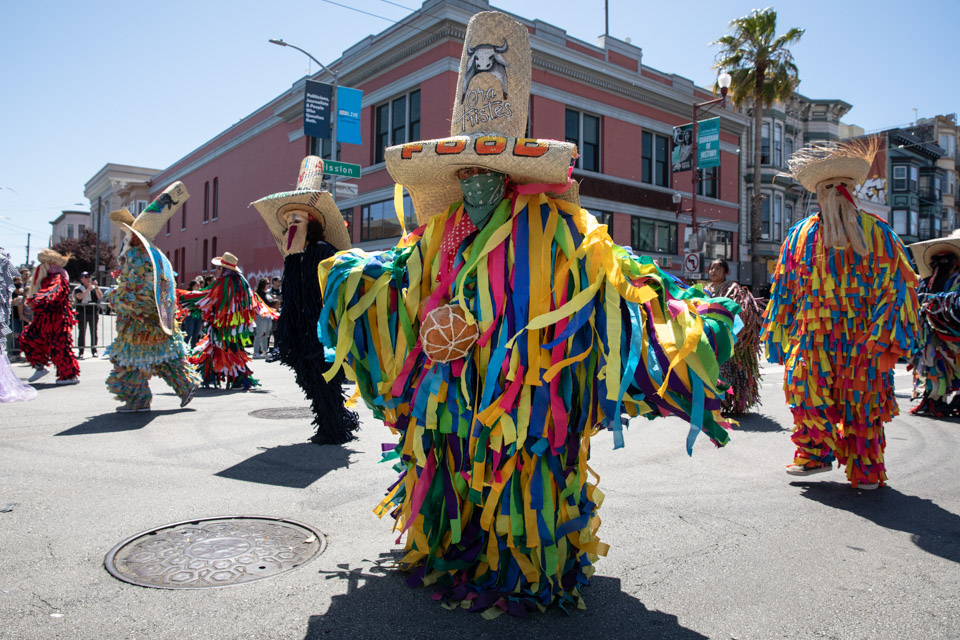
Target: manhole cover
{"type": "Point", "coordinates": [283, 413]}
{"type": "Point", "coordinates": [214, 552]}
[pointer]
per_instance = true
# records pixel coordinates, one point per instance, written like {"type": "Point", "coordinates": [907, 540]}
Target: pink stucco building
{"type": "Point", "coordinates": [620, 113]}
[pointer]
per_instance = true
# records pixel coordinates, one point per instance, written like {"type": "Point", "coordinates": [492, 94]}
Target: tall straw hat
{"type": "Point", "coordinates": [309, 198]}
{"type": "Point", "coordinates": [924, 252]}
{"type": "Point", "coordinates": [146, 226]}
{"type": "Point", "coordinates": [228, 261]}
{"type": "Point", "coordinates": [151, 220]}
{"type": "Point", "coordinates": [832, 161]}
{"type": "Point", "coordinates": [488, 124]}
{"type": "Point", "coordinates": [50, 256]}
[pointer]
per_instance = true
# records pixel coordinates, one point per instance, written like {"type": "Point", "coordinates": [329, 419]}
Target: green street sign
{"type": "Point", "coordinates": [708, 143]}
{"type": "Point", "coordinates": [334, 168]}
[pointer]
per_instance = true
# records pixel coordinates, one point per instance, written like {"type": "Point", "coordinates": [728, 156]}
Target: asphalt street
{"type": "Point", "coordinates": [722, 544]}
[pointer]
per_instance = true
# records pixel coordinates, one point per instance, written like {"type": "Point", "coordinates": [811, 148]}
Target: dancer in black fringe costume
{"type": "Point", "coordinates": [297, 220]}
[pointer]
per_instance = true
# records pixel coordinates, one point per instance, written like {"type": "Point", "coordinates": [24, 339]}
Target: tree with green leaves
{"type": "Point", "coordinates": [763, 73]}
{"type": "Point", "coordinates": [83, 251]}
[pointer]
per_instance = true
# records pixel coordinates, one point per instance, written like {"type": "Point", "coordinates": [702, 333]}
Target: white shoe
{"type": "Point", "coordinates": [870, 486]}
{"type": "Point", "coordinates": [39, 373]}
{"type": "Point", "coordinates": [69, 381]}
{"type": "Point", "coordinates": [809, 469]}
{"type": "Point", "coordinates": [129, 407]}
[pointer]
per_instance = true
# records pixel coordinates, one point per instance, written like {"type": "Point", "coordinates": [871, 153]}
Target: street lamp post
{"type": "Point", "coordinates": [723, 81]}
{"type": "Point", "coordinates": [333, 109]}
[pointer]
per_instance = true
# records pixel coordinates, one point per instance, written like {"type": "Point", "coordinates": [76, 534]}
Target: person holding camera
{"type": "Point", "coordinates": [86, 298]}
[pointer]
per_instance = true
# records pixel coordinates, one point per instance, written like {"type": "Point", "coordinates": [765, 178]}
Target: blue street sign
{"type": "Point", "coordinates": [348, 115]}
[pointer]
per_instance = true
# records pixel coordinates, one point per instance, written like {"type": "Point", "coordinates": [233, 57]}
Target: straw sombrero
{"type": "Point", "coordinates": [832, 161]}
{"type": "Point", "coordinates": [228, 261]}
{"type": "Point", "coordinates": [49, 256]}
{"type": "Point", "coordinates": [309, 198]}
{"type": "Point", "coordinates": [146, 226]}
{"type": "Point", "coordinates": [923, 252]}
{"type": "Point", "coordinates": [487, 127]}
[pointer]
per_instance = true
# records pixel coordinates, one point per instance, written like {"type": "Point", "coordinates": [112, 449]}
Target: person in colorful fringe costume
{"type": "Point", "coordinates": [742, 371]}
{"type": "Point", "coordinates": [12, 389]}
{"type": "Point", "coordinates": [149, 341]}
{"type": "Point", "coordinates": [936, 359]}
{"type": "Point", "coordinates": [309, 228]}
{"type": "Point", "coordinates": [230, 309]}
{"type": "Point", "coordinates": [842, 312]}
{"type": "Point", "coordinates": [572, 332]}
{"type": "Point", "coordinates": [49, 336]}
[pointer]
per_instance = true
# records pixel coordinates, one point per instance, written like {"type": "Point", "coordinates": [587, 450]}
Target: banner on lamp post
{"type": "Point", "coordinates": [708, 146]}
{"type": "Point", "coordinates": [316, 109]}
{"type": "Point", "coordinates": [708, 143]}
{"type": "Point", "coordinates": [682, 156]}
{"type": "Point", "coordinates": [348, 115]}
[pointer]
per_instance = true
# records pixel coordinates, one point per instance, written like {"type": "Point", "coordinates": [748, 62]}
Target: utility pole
{"type": "Point", "coordinates": [27, 261]}
{"type": "Point", "coordinates": [96, 254]}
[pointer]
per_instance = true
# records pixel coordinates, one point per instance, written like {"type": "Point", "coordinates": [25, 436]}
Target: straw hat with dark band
{"type": "Point", "coordinates": [228, 261]}
{"type": "Point", "coordinates": [924, 252]}
{"type": "Point", "coordinates": [310, 199]}
{"type": "Point", "coordinates": [488, 124]}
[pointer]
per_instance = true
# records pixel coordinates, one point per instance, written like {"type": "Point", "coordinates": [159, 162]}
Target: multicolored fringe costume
{"type": "Point", "coordinates": [839, 322]}
{"type": "Point", "coordinates": [742, 371]}
{"type": "Point", "coordinates": [230, 309]}
{"type": "Point", "coordinates": [937, 356]}
{"type": "Point", "coordinates": [493, 492]}
{"type": "Point", "coordinates": [300, 349]}
{"type": "Point", "coordinates": [141, 349]}
{"type": "Point", "coordinates": [49, 338]}
{"type": "Point", "coordinates": [12, 389]}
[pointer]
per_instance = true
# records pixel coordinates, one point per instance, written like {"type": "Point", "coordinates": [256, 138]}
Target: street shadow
{"type": "Point", "coordinates": [117, 422]}
{"type": "Point", "coordinates": [759, 423]}
{"type": "Point", "coordinates": [208, 392]}
{"type": "Point", "coordinates": [931, 527]}
{"type": "Point", "coordinates": [378, 603]}
{"type": "Point", "coordinates": [293, 465]}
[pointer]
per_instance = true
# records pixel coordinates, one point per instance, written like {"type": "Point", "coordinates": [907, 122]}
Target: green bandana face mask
{"type": "Point", "coordinates": [481, 195]}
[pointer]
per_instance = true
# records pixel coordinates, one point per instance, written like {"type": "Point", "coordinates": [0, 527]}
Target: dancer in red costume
{"type": "Point", "coordinates": [49, 338]}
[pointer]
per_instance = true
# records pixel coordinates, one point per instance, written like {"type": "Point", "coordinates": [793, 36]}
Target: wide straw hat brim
{"type": "Point", "coordinates": [428, 169]}
{"type": "Point", "coordinates": [52, 257]}
{"type": "Point", "coordinates": [318, 204]}
{"type": "Point", "coordinates": [152, 219]}
{"type": "Point", "coordinates": [853, 169]}
{"type": "Point", "coordinates": [219, 262]}
{"type": "Point", "coordinates": [924, 252]}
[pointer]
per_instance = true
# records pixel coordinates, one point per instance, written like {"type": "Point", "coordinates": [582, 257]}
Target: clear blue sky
{"type": "Point", "coordinates": [145, 83]}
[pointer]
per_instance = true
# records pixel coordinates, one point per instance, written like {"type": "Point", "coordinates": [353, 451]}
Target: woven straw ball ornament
{"type": "Point", "coordinates": [446, 335]}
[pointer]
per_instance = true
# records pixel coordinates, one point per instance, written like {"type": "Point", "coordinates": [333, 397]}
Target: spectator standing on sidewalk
{"type": "Point", "coordinates": [16, 320]}
{"type": "Point", "coordinates": [86, 298]}
{"type": "Point", "coordinates": [261, 342]}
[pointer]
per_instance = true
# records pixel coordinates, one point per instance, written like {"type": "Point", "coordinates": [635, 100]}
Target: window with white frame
{"type": "Point", "coordinates": [765, 219]}
{"type": "Point", "coordinates": [141, 205]}
{"type": "Point", "coordinates": [788, 216]}
{"type": "Point", "coordinates": [898, 219]}
{"type": "Point", "coordinates": [948, 142]}
{"type": "Point", "coordinates": [396, 121]}
{"type": "Point", "coordinates": [765, 143]}
{"type": "Point", "coordinates": [899, 178]}
{"type": "Point", "coordinates": [914, 178]}
{"type": "Point", "coordinates": [709, 182]}
{"type": "Point", "coordinates": [379, 219]}
{"type": "Point", "coordinates": [777, 217]}
{"type": "Point", "coordinates": [777, 145]}
{"type": "Point", "coordinates": [69, 230]}
{"type": "Point", "coordinates": [787, 148]}
{"type": "Point", "coordinates": [951, 182]}
{"type": "Point", "coordinates": [720, 245]}
{"type": "Point", "coordinates": [655, 159]}
{"type": "Point", "coordinates": [653, 236]}
{"type": "Point", "coordinates": [583, 130]}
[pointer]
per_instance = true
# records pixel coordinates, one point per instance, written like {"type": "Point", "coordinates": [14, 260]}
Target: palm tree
{"type": "Point", "coordinates": [763, 73]}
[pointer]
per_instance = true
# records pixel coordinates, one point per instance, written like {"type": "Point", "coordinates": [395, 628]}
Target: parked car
{"type": "Point", "coordinates": [105, 307]}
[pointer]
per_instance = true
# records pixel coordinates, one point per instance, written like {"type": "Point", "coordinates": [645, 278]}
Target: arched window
{"type": "Point", "coordinates": [203, 267]}
{"type": "Point", "coordinates": [216, 198]}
